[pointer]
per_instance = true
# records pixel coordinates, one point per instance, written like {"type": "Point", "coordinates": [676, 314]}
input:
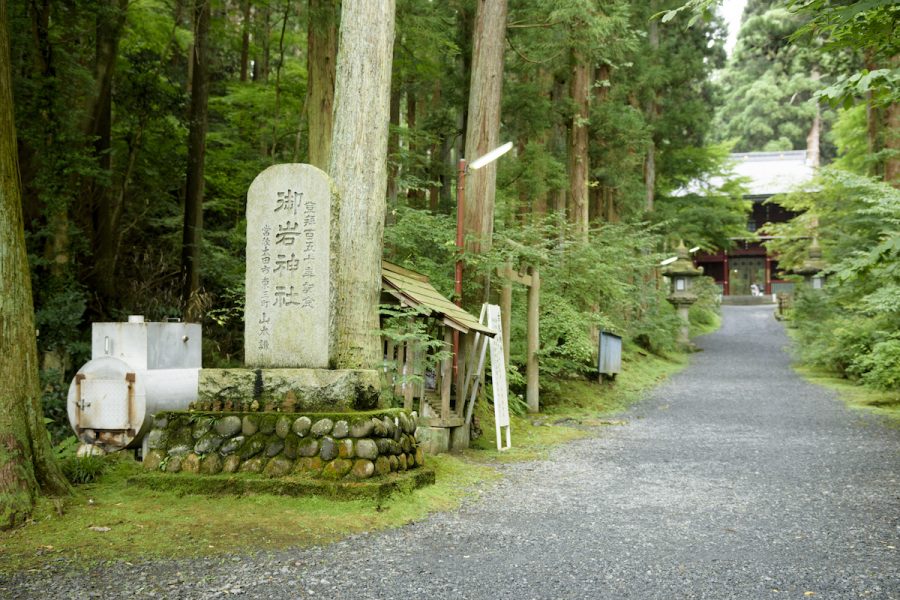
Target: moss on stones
{"type": "Point", "coordinates": [231, 463]}
{"type": "Point", "coordinates": [210, 442]}
{"type": "Point", "coordinates": [328, 449]}
{"type": "Point", "coordinates": [211, 464]}
{"type": "Point", "coordinates": [290, 446]}
{"type": "Point", "coordinates": [191, 463]}
{"type": "Point", "coordinates": [362, 469]}
{"type": "Point", "coordinates": [341, 429]}
{"type": "Point", "coordinates": [308, 447]}
{"type": "Point", "coordinates": [301, 426]}
{"type": "Point", "coordinates": [345, 448]}
{"type": "Point", "coordinates": [267, 424]}
{"type": "Point", "coordinates": [254, 465]}
{"type": "Point", "coordinates": [361, 428]}
{"type": "Point", "coordinates": [322, 427]}
{"type": "Point", "coordinates": [367, 448]}
{"type": "Point", "coordinates": [232, 445]}
{"type": "Point", "coordinates": [153, 459]}
{"type": "Point", "coordinates": [173, 464]}
{"type": "Point", "coordinates": [337, 468]}
{"type": "Point", "coordinates": [228, 426]}
{"type": "Point", "coordinates": [274, 447]}
{"type": "Point", "coordinates": [382, 465]}
{"type": "Point", "coordinates": [249, 425]}
{"type": "Point", "coordinates": [158, 438]}
{"type": "Point", "coordinates": [282, 427]}
{"type": "Point", "coordinates": [202, 426]}
{"type": "Point", "coordinates": [278, 467]}
{"type": "Point", "coordinates": [253, 446]}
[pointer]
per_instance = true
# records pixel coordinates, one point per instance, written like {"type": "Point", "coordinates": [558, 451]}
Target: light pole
{"type": "Point", "coordinates": [462, 169]}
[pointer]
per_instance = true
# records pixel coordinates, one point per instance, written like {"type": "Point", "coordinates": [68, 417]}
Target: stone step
{"type": "Point", "coordinates": [749, 300]}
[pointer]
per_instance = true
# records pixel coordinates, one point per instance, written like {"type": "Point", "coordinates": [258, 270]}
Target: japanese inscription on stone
{"type": "Point", "coordinates": [288, 283]}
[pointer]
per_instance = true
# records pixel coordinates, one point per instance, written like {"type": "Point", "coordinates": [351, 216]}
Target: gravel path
{"type": "Point", "coordinates": [736, 479]}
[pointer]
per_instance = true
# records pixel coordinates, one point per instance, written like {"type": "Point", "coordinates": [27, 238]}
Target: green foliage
{"type": "Point", "coordinates": [851, 326]}
{"type": "Point", "coordinates": [79, 469]}
{"type": "Point", "coordinates": [411, 327]}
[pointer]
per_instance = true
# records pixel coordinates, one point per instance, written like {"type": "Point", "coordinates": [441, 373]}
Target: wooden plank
{"type": "Point", "coordinates": [532, 393]}
{"type": "Point", "coordinates": [446, 377]}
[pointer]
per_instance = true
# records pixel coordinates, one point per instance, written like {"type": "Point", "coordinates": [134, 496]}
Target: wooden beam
{"type": "Point", "coordinates": [506, 309]}
{"type": "Point", "coordinates": [514, 276]}
{"type": "Point", "coordinates": [533, 343]}
{"type": "Point", "coordinates": [446, 376]}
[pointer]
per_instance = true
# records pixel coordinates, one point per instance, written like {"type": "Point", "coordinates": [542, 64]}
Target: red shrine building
{"type": "Point", "coordinates": [747, 262]}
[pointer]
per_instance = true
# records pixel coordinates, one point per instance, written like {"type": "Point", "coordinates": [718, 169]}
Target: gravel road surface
{"type": "Point", "coordinates": [735, 479]}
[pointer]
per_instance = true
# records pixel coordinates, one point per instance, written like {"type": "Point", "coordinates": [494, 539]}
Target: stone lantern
{"type": "Point", "coordinates": [812, 267]}
{"type": "Point", "coordinates": [682, 273]}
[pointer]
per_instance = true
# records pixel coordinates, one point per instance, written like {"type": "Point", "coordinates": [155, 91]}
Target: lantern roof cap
{"type": "Point", "coordinates": [683, 264]}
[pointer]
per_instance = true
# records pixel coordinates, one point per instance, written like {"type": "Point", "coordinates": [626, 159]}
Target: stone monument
{"type": "Point", "coordinates": [289, 296]}
{"type": "Point", "coordinates": [289, 309]}
{"type": "Point", "coordinates": [287, 412]}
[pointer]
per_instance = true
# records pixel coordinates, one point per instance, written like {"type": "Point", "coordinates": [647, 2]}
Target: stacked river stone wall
{"type": "Point", "coordinates": [330, 446]}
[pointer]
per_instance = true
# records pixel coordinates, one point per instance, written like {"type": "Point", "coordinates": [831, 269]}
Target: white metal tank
{"type": "Point", "coordinates": [137, 369]}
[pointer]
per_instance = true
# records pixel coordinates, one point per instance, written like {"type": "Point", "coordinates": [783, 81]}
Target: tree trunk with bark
{"type": "Point", "coordinates": [483, 126]}
{"type": "Point", "coordinates": [892, 142]}
{"type": "Point", "coordinates": [27, 465]}
{"type": "Point", "coordinates": [578, 144]}
{"type": "Point", "coordinates": [245, 38]}
{"type": "Point", "coordinates": [102, 198]}
{"type": "Point", "coordinates": [652, 112]}
{"type": "Point", "coordinates": [193, 198]}
{"type": "Point", "coordinates": [358, 168]}
{"type": "Point", "coordinates": [321, 58]}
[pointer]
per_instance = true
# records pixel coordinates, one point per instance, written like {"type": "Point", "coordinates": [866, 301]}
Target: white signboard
{"type": "Point", "coordinates": [498, 376]}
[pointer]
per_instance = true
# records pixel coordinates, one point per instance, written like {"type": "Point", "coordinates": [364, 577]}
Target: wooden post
{"type": "Point", "coordinates": [506, 306]}
{"type": "Point", "coordinates": [446, 376]}
{"type": "Point", "coordinates": [533, 342]}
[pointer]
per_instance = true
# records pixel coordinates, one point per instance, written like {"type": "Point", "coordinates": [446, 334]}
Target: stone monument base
{"type": "Point", "coordinates": [331, 446]}
{"type": "Point", "coordinates": [288, 390]}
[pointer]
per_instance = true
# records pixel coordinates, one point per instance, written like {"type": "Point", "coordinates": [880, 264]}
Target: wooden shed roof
{"type": "Point", "coordinates": [413, 289]}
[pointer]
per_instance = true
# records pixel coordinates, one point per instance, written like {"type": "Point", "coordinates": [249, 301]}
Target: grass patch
{"type": "Point", "coordinates": [854, 395]}
{"type": "Point", "coordinates": [146, 524]}
{"type": "Point", "coordinates": [109, 520]}
{"type": "Point", "coordinates": [575, 409]}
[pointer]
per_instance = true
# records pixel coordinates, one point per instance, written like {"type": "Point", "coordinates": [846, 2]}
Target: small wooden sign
{"type": "Point", "coordinates": [498, 376]}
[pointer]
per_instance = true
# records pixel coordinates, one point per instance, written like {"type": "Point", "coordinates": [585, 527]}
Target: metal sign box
{"type": "Point", "coordinates": [609, 357]}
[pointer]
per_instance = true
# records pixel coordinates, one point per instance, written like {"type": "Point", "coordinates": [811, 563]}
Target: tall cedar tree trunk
{"type": "Point", "coordinates": [358, 168]}
{"type": "Point", "coordinates": [321, 58]}
{"type": "Point", "coordinates": [193, 197]}
{"type": "Point", "coordinates": [104, 201]}
{"type": "Point", "coordinates": [483, 127]}
{"type": "Point", "coordinates": [245, 38]}
{"type": "Point", "coordinates": [892, 142]}
{"type": "Point", "coordinates": [600, 192]}
{"type": "Point", "coordinates": [26, 459]}
{"type": "Point", "coordinates": [652, 115]}
{"type": "Point", "coordinates": [578, 144]}
{"type": "Point", "coordinates": [393, 142]}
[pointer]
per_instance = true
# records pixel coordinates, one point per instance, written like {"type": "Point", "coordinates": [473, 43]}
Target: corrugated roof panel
{"type": "Point", "coordinates": [416, 288]}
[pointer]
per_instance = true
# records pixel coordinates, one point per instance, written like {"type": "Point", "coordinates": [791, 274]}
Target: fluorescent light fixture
{"type": "Point", "coordinates": [694, 249]}
{"type": "Point", "coordinates": [490, 156]}
{"type": "Point", "coordinates": [668, 261]}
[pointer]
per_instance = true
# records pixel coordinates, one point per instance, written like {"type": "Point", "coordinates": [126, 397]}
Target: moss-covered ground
{"type": "Point", "coordinates": [884, 403]}
{"type": "Point", "coordinates": [110, 520]}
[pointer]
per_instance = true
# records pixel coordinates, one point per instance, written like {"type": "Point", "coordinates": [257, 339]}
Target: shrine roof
{"type": "Point", "coordinates": [414, 289]}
